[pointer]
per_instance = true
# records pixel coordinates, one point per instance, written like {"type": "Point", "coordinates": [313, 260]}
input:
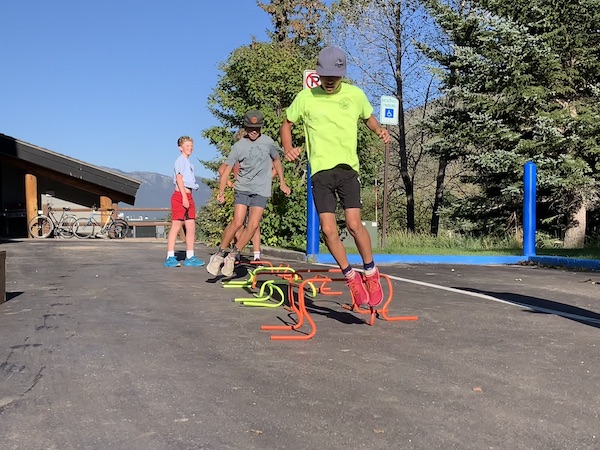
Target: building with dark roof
{"type": "Point", "coordinates": [28, 173]}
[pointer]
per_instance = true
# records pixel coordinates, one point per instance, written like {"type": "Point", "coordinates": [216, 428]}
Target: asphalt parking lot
{"type": "Point", "coordinates": [102, 347]}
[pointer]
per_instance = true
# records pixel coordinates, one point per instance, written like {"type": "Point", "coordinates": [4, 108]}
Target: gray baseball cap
{"type": "Point", "coordinates": [331, 62]}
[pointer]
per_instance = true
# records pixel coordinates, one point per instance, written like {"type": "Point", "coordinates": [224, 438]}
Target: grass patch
{"type": "Point", "coordinates": [583, 253]}
{"type": "Point", "coordinates": [405, 243]}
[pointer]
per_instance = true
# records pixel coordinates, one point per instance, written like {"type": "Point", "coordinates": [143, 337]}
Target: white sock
{"type": "Point", "coordinates": [370, 272]}
{"type": "Point", "coordinates": [171, 254]}
{"type": "Point", "coordinates": [189, 253]}
{"type": "Point", "coordinates": [256, 256]}
{"type": "Point", "coordinates": [351, 274]}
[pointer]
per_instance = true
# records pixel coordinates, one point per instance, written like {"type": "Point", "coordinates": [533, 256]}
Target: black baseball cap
{"type": "Point", "coordinates": [253, 119]}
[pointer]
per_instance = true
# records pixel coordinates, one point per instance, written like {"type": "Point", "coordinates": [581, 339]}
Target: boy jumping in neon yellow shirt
{"type": "Point", "coordinates": [330, 114]}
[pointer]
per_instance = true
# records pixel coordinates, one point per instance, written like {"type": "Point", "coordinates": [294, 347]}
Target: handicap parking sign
{"type": "Point", "coordinates": [388, 114]}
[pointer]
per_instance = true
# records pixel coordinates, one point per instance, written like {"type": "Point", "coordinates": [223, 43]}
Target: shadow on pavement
{"type": "Point", "coordinates": [543, 306]}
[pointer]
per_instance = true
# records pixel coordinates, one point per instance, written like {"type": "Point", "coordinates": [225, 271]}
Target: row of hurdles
{"type": "Point", "coordinates": [268, 283]}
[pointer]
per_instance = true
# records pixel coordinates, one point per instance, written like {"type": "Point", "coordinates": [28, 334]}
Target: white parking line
{"type": "Point", "coordinates": [540, 309]}
{"type": "Point", "coordinates": [494, 299]}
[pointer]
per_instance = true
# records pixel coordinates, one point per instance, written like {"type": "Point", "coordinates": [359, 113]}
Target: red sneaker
{"type": "Point", "coordinates": [374, 288]}
{"type": "Point", "coordinates": [358, 290]}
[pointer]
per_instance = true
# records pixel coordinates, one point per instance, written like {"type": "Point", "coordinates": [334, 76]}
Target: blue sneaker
{"type": "Point", "coordinates": [193, 262]}
{"type": "Point", "coordinates": [171, 261]}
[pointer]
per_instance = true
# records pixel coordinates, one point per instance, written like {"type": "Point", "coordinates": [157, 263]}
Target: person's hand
{"type": "Point", "coordinates": [221, 197]}
{"type": "Point", "coordinates": [292, 154]}
{"type": "Point", "coordinates": [285, 189]}
{"type": "Point", "coordinates": [185, 203]}
{"type": "Point", "coordinates": [384, 135]}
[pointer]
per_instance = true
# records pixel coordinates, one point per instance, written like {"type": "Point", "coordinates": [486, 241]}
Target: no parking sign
{"type": "Point", "coordinates": [311, 79]}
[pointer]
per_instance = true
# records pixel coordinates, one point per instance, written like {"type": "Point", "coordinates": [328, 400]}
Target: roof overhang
{"type": "Point", "coordinates": [41, 161]}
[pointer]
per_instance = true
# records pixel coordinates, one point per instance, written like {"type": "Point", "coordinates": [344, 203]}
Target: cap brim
{"type": "Point", "coordinates": [332, 73]}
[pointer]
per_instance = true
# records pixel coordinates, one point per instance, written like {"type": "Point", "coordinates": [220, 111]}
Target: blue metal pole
{"type": "Point", "coordinates": [312, 221]}
{"type": "Point", "coordinates": [529, 200]}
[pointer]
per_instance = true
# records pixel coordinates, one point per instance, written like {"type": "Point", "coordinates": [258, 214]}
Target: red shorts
{"type": "Point", "coordinates": [178, 212]}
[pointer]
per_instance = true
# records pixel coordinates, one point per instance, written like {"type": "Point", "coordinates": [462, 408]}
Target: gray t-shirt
{"type": "Point", "coordinates": [256, 160]}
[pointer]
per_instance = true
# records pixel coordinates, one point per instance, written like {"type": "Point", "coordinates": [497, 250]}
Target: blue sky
{"type": "Point", "coordinates": [115, 83]}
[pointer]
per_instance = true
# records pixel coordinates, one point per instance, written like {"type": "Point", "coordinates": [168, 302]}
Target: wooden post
{"type": "Point", "coordinates": [105, 203]}
{"type": "Point", "coordinates": [385, 193]}
{"type": "Point", "coordinates": [31, 197]}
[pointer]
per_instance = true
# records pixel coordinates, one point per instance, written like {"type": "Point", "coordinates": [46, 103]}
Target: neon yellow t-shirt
{"type": "Point", "coordinates": [330, 124]}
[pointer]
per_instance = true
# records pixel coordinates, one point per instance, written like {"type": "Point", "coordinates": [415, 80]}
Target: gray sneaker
{"type": "Point", "coordinates": [214, 264]}
{"type": "Point", "coordinates": [228, 265]}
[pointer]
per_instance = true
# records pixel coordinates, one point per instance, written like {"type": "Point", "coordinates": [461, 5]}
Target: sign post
{"type": "Point", "coordinates": [311, 79]}
{"type": "Point", "coordinates": [388, 115]}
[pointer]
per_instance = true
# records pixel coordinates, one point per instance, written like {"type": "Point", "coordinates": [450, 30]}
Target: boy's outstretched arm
{"type": "Point", "coordinates": [373, 125]}
{"type": "Point", "coordinates": [223, 183]}
{"type": "Point", "coordinates": [291, 153]}
{"type": "Point", "coordinates": [221, 170]}
{"type": "Point", "coordinates": [279, 170]}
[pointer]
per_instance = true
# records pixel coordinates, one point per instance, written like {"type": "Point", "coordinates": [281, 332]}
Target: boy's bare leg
{"type": "Point", "coordinates": [363, 243]}
{"type": "Point", "coordinates": [254, 218]}
{"type": "Point", "coordinates": [173, 232]}
{"type": "Point", "coordinates": [256, 245]}
{"type": "Point", "coordinates": [360, 295]}
{"type": "Point", "coordinates": [360, 234]}
{"type": "Point", "coordinates": [237, 235]}
{"type": "Point", "coordinates": [239, 214]}
{"type": "Point", "coordinates": [256, 240]}
{"type": "Point", "coordinates": [190, 234]}
{"type": "Point", "coordinates": [332, 239]}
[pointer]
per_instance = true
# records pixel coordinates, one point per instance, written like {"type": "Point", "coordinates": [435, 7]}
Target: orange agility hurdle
{"type": "Point", "coordinates": [322, 280]}
{"type": "Point", "coordinates": [382, 311]}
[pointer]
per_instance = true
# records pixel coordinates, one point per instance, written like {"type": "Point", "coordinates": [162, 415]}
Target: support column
{"type": "Point", "coordinates": [313, 228]}
{"type": "Point", "coordinates": [529, 208]}
{"type": "Point", "coordinates": [31, 197]}
{"type": "Point", "coordinates": [105, 203]}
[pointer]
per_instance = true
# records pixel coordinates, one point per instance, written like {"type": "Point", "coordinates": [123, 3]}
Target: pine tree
{"type": "Point", "coordinates": [299, 22]}
{"type": "Point", "coordinates": [264, 76]}
{"type": "Point", "coordinates": [571, 29]}
{"type": "Point", "coordinates": [511, 94]}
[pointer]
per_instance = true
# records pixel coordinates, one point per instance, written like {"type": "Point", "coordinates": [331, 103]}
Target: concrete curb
{"type": "Point", "coordinates": [292, 255]}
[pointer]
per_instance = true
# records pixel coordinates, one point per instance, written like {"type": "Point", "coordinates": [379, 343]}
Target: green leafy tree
{"type": "Point", "coordinates": [506, 86]}
{"type": "Point", "coordinates": [267, 76]}
{"type": "Point", "coordinates": [263, 76]}
{"type": "Point", "coordinates": [299, 22]}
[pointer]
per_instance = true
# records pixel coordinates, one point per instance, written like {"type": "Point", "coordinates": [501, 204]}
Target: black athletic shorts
{"type": "Point", "coordinates": [341, 183]}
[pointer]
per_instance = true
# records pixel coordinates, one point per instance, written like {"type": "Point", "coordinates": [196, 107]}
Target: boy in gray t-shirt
{"type": "Point", "coordinates": [257, 155]}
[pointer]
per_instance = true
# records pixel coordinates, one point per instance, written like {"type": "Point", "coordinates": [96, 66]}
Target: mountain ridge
{"type": "Point", "coordinates": [156, 189]}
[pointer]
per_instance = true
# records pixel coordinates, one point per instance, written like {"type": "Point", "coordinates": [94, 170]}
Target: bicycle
{"type": "Point", "coordinates": [43, 225]}
{"type": "Point", "coordinates": [112, 229]}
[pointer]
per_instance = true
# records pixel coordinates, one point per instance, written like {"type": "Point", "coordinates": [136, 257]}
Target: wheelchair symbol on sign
{"type": "Point", "coordinates": [389, 113]}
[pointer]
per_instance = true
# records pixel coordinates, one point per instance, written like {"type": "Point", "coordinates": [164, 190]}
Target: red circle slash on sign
{"type": "Point", "coordinates": [311, 79]}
